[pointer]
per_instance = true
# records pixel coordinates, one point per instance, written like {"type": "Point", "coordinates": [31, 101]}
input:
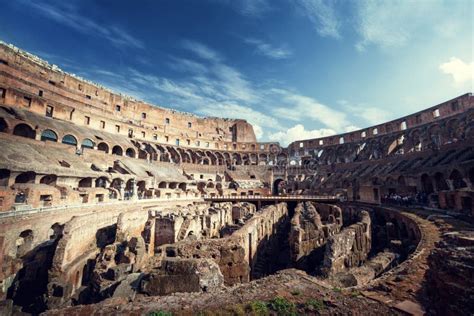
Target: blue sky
{"type": "Point", "coordinates": [295, 69]}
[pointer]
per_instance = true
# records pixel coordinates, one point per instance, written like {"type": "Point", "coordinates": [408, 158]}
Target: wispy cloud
{"type": "Point", "coordinates": [304, 107]}
{"type": "Point", "coordinates": [369, 114]}
{"type": "Point", "coordinates": [390, 24]}
{"type": "Point", "coordinates": [201, 50]}
{"type": "Point", "coordinates": [460, 71]}
{"type": "Point", "coordinates": [323, 16]}
{"type": "Point", "coordinates": [250, 8]}
{"type": "Point", "coordinates": [68, 15]}
{"type": "Point", "coordinates": [268, 50]}
{"type": "Point", "coordinates": [298, 132]}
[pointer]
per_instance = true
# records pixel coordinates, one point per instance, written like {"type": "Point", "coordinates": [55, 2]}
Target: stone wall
{"type": "Point", "coordinates": [348, 248]}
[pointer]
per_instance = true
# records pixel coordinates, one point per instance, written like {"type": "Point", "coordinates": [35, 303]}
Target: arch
{"type": "Point", "coordinates": [49, 179]}
{"type": "Point", "coordinates": [26, 177]}
{"type": "Point", "coordinates": [69, 140]}
{"type": "Point", "coordinates": [182, 186]}
{"type": "Point", "coordinates": [130, 152]}
{"type": "Point", "coordinates": [162, 185]}
{"type": "Point", "coordinates": [210, 185]}
{"type": "Point", "coordinates": [26, 242]}
{"type": "Point", "coordinates": [4, 177]}
{"type": "Point", "coordinates": [456, 177]}
{"type": "Point", "coordinates": [87, 143]}
{"type": "Point", "coordinates": [49, 135]}
{"type": "Point", "coordinates": [85, 183]}
{"type": "Point", "coordinates": [440, 182]}
{"type": "Point", "coordinates": [117, 150]}
{"type": "Point", "coordinates": [101, 182]}
{"type": "Point", "coordinates": [3, 125]}
{"type": "Point", "coordinates": [278, 186]}
{"type": "Point", "coordinates": [24, 130]}
{"type": "Point", "coordinates": [116, 184]}
{"type": "Point", "coordinates": [173, 185]}
{"type": "Point", "coordinates": [103, 147]}
{"type": "Point", "coordinates": [426, 183]}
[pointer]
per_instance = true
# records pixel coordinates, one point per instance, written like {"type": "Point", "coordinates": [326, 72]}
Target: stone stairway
{"type": "Point", "coordinates": [184, 228]}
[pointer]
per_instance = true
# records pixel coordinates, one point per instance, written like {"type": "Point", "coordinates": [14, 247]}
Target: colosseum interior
{"type": "Point", "coordinates": [110, 205]}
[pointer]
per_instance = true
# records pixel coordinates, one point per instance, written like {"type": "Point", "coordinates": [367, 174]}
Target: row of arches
{"type": "Point", "coordinates": [155, 152]}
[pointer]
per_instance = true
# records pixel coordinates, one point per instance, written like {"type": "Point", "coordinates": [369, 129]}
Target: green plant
{"type": "Point", "coordinates": [282, 306]}
{"type": "Point", "coordinates": [355, 293]}
{"type": "Point", "coordinates": [258, 308]}
{"type": "Point", "coordinates": [160, 313]}
{"type": "Point", "coordinates": [337, 289]}
{"type": "Point", "coordinates": [315, 304]}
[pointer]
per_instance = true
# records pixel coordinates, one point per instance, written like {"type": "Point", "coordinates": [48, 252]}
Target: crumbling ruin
{"type": "Point", "coordinates": [111, 204]}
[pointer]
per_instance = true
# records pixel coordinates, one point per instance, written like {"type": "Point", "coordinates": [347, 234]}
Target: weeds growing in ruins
{"type": "Point", "coordinates": [283, 307]}
{"type": "Point", "coordinates": [258, 308]}
{"type": "Point", "coordinates": [314, 304]}
{"type": "Point", "coordinates": [160, 313]}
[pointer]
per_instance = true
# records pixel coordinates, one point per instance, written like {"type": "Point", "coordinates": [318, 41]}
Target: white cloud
{"type": "Point", "coordinates": [67, 14]}
{"type": "Point", "coordinates": [269, 50]}
{"type": "Point", "coordinates": [323, 16]}
{"type": "Point", "coordinates": [299, 107]}
{"type": "Point", "coordinates": [371, 115]}
{"type": "Point", "coordinates": [201, 50]}
{"type": "Point", "coordinates": [390, 24]}
{"type": "Point", "coordinates": [298, 132]}
{"type": "Point", "coordinates": [460, 71]}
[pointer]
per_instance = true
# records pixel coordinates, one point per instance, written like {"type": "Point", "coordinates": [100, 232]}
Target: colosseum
{"type": "Point", "coordinates": [110, 205]}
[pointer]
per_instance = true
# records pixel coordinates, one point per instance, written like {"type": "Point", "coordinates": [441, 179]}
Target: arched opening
{"type": "Point", "coordinates": [440, 182]}
{"type": "Point", "coordinates": [3, 125]}
{"type": "Point", "coordinates": [278, 186]}
{"type": "Point", "coordinates": [173, 185]}
{"type": "Point", "coordinates": [49, 179]}
{"type": "Point", "coordinates": [101, 182]}
{"type": "Point", "coordinates": [49, 135]}
{"type": "Point", "coordinates": [162, 185]}
{"type": "Point", "coordinates": [25, 243]}
{"type": "Point", "coordinates": [471, 176]}
{"type": "Point", "coordinates": [26, 177]}
{"type": "Point", "coordinates": [182, 186]}
{"type": "Point", "coordinates": [4, 177]}
{"type": "Point", "coordinates": [103, 147]}
{"type": "Point", "coordinates": [210, 185]}
{"type": "Point", "coordinates": [117, 150]}
{"type": "Point", "coordinates": [87, 143]}
{"type": "Point", "coordinates": [426, 184]}
{"type": "Point", "coordinates": [24, 130]}
{"type": "Point", "coordinates": [141, 189]}
{"type": "Point", "coordinates": [458, 182]}
{"type": "Point", "coordinates": [69, 140]}
{"type": "Point", "coordinates": [130, 153]}
{"type": "Point", "coordinates": [85, 183]}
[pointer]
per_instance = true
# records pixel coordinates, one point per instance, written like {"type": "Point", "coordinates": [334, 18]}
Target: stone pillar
{"type": "Point", "coordinates": [122, 190]}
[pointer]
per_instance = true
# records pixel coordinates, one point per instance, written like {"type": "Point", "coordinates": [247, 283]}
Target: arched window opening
{"type": "Point", "coordinates": [130, 152]}
{"type": "Point", "coordinates": [117, 150]}
{"type": "Point", "coordinates": [162, 185]}
{"type": "Point", "coordinates": [26, 177]}
{"type": "Point", "coordinates": [426, 184]}
{"type": "Point", "coordinates": [182, 186]}
{"type": "Point", "coordinates": [4, 177]}
{"type": "Point", "coordinates": [85, 183]}
{"type": "Point", "coordinates": [49, 135]}
{"type": "Point", "coordinates": [3, 125]}
{"type": "Point", "coordinates": [24, 130]}
{"type": "Point", "coordinates": [103, 147]}
{"type": "Point", "coordinates": [458, 182]}
{"type": "Point", "coordinates": [440, 182]}
{"type": "Point", "coordinates": [69, 140]}
{"type": "Point", "coordinates": [49, 179]}
{"type": "Point", "coordinates": [101, 182]}
{"type": "Point", "coordinates": [87, 143]}
{"type": "Point", "coordinates": [24, 243]}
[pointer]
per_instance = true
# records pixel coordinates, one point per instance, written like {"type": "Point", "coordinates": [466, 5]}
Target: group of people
{"type": "Point", "coordinates": [420, 198]}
